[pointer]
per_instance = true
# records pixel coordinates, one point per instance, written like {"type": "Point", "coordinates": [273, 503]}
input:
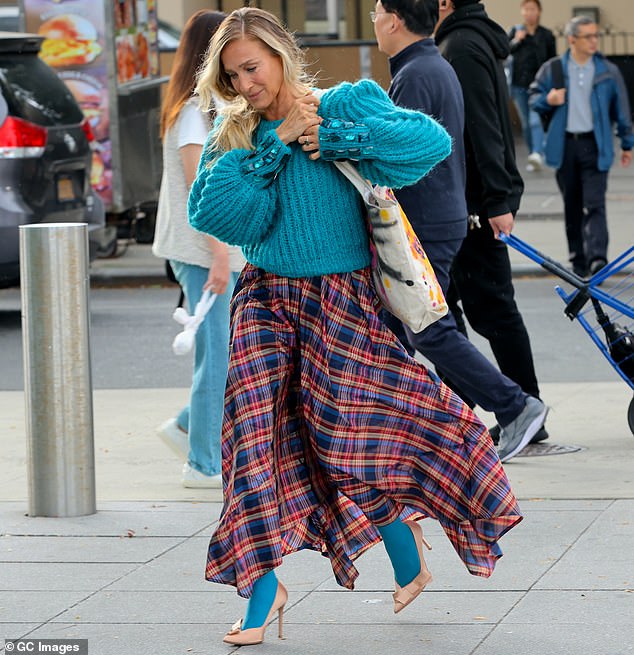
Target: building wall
{"type": "Point", "coordinates": [614, 15]}
{"type": "Point", "coordinates": [334, 63]}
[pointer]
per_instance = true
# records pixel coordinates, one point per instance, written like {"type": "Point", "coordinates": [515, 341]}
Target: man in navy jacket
{"type": "Point", "coordinates": [477, 47]}
{"type": "Point", "coordinates": [437, 209]}
{"type": "Point", "coordinates": [579, 141]}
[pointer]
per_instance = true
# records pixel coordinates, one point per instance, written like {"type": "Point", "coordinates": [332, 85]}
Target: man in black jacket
{"type": "Point", "coordinates": [476, 48]}
{"type": "Point", "coordinates": [423, 80]}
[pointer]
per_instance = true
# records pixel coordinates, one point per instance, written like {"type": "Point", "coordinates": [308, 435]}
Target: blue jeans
{"type": "Point", "coordinates": [531, 123]}
{"type": "Point", "coordinates": [202, 417]}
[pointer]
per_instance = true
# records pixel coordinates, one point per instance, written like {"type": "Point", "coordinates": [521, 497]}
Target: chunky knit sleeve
{"type": "Point", "coordinates": [233, 199]}
{"type": "Point", "coordinates": [394, 146]}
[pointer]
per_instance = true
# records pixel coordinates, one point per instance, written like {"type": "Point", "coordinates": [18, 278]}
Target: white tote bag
{"type": "Point", "coordinates": [403, 275]}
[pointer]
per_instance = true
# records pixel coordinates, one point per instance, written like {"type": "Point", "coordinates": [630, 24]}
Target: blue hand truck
{"type": "Point", "coordinates": [607, 316]}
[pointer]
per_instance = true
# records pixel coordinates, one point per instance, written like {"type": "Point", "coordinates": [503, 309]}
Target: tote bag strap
{"type": "Point", "coordinates": [349, 171]}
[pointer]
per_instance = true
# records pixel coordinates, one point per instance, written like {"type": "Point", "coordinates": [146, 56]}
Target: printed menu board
{"type": "Point", "coordinates": [76, 44]}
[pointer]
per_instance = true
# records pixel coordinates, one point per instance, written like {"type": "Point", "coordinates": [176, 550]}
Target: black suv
{"type": "Point", "coordinates": [45, 152]}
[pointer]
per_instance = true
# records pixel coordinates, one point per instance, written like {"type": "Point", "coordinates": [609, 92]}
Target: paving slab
{"type": "Point", "coordinates": [581, 569]}
{"type": "Point", "coordinates": [563, 639]}
{"type": "Point", "coordinates": [159, 607]}
{"type": "Point", "coordinates": [15, 630]}
{"type": "Point", "coordinates": [82, 549]}
{"type": "Point", "coordinates": [56, 576]}
{"type": "Point", "coordinates": [144, 639]}
{"type": "Point", "coordinates": [149, 521]}
{"type": "Point", "coordinates": [433, 608]}
{"type": "Point", "coordinates": [364, 639]}
{"type": "Point", "coordinates": [611, 535]}
{"type": "Point", "coordinates": [581, 607]}
{"type": "Point", "coordinates": [38, 606]}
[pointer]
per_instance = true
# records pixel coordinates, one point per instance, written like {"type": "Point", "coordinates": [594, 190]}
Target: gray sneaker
{"type": "Point", "coordinates": [517, 434]}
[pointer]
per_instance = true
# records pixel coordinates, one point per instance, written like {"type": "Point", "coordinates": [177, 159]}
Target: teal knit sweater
{"type": "Point", "coordinates": [297, 217]}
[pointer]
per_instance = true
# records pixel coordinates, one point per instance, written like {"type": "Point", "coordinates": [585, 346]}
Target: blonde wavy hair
{"type": "Point", "coordinates": [240, 119]}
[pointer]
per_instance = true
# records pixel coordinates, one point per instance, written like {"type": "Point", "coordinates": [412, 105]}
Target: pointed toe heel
{"type": "Point", "coordinates": [403, 596]}
{"type": "Point", "coordinates": [252, 636]}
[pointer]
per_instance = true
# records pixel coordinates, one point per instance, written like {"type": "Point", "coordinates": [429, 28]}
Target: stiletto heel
{"type": "Point", "coordinates": [403, 596]}
{"type": "Point", "coordinates": [280, 623]}
{"type": "Point", "coordinates": [239, 637]}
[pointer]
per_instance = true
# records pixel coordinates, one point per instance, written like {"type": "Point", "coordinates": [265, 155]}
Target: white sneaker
{"type": "Point", "coordinates": [193, 479]}
{"type": "Point", "coordinates": [174, 438]}
{"type": "Point", "coordinates": [536, 160]}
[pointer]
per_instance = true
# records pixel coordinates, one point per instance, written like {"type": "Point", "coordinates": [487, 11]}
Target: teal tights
{"type": "Point", "coordinates": [261, 601]}
{"type": "Point", "coordinates": [401, 549]}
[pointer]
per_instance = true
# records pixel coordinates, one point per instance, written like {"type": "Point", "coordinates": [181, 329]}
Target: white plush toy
{"type": "Point", "coordinates": [184, 341]}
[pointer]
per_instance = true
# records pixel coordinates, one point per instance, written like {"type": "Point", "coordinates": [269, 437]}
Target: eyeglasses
{"type": "Point", "coordinates": [587, 37]}
{"type": "Point", "coordinates": [375, 14]}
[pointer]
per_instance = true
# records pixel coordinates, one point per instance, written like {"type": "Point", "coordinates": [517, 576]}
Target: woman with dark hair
{"type": "Point", "coordinates": [334, 438]}
{"type": "Point", "coordinates": [531, 45]}
{"type": "Point", "coordinates": [199, 261]}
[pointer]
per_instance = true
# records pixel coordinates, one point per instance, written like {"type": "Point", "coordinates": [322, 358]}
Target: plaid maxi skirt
{"type": "Point", "coordinates": [331, 428]}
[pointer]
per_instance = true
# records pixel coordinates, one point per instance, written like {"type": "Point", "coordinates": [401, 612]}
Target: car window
{"type": "Point", "coordinates": [35, 93]}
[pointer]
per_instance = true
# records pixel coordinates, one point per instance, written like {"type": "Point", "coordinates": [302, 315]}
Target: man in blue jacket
{"type": "Point", "coordinates": [579, 141]}
{"type": "Point", "coordinates": [436, 207]}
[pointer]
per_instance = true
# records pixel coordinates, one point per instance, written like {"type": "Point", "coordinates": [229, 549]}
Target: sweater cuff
{"type": "Point", "coordinates": [264, 164]}
{"type": "Point", "coordinates": [339, 139]}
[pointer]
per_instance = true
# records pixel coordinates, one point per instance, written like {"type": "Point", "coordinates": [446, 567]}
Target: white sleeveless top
{"type": "Point", "coordinates": [174, 238]}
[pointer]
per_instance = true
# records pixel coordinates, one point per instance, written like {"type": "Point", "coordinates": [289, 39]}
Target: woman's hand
{"type": "Point", "coordinates": [218, 278]}
{"type": "Point", "coordinates": [309, 141]}
{"type": "Point", "coordinates": [301, 117]}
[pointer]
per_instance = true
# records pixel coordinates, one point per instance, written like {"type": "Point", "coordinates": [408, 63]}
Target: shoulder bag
{"type": "Point", "coordinates": [403, 275]}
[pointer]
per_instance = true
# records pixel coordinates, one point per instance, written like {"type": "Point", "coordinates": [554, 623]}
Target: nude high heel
{"type": "Point", "coordinates": [403, 596]}
{"type": "Point", "coordinates": [238, 637]}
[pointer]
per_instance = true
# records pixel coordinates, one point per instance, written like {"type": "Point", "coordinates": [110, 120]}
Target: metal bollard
{"type": "Point", "coordinates": [54, 272]}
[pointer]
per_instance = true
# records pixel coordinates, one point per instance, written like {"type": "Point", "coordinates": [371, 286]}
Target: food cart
{"type": "Point", "coordinates": [106, 51]}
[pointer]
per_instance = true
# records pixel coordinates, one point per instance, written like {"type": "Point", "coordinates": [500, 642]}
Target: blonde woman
{"type": "Point", "coordinates": [333, 438]}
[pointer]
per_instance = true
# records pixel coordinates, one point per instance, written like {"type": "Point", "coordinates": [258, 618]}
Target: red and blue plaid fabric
{"type": "Point", "coordinates": [331, 427]}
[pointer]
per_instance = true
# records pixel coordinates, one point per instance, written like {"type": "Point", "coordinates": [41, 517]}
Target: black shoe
{"type": "Point", "coordinates": [495, 434]}
{"type": "Point", "coordinates": [541, 435]}
{"type": "Point", "coordinates": [596, 265]}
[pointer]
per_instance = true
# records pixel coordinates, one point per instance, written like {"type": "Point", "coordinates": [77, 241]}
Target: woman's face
{"type": "Point", "coordinates": [256, 73]}
{"type": "Point", "coordinates": [530, 13]}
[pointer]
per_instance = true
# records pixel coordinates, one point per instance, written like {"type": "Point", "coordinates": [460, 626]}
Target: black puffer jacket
{"type": "Point", "coordinates": [476, 47]}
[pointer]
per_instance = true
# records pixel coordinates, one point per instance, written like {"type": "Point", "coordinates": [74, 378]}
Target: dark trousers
{"type": "Point", "coordinates": [481, 280]}
{"type": "Point", "coordinates": [583, 187]}
{"type": "Point", "coordinates": [476, 379]}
